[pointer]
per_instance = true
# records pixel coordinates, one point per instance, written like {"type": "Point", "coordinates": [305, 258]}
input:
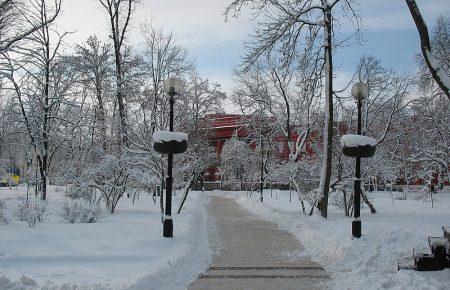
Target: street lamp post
{"type": "Point", "coordinates": [171, 87]}
{"type": "Point", "coordinates": [261, 148]}
{"type": "Point", "coordinates": [261, 182]}
{"type": "Point", "coordinates": [359, 92]}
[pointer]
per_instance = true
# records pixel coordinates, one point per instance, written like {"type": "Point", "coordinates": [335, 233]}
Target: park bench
{"type": "Point", "coordinates": [438, 259]}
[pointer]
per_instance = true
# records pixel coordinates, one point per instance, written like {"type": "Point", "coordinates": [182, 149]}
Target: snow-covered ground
{"type": "Point", "coordinates": [123, 250]}
{"type": "Point", "coordinates": [371, 261]}
{"type": "Point", "coordinates": [126, 250]}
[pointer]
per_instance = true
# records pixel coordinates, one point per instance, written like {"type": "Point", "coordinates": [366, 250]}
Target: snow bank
{"type": "Point", "coordinates": [371, 261]}
{"type": "Point", "coordinates": [352, 140]}
{"type": "Point", "coordinates": [124, 250]}
{"type": "Point", "coordinates": [167, 136]}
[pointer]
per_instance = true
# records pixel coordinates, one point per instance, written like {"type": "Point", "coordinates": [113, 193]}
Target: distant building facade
{"type": "Point", "coordinates": [224, 126]}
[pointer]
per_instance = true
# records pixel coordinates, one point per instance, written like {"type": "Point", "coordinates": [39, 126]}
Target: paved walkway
{"type": "Point", "coordinates": [255, 254]}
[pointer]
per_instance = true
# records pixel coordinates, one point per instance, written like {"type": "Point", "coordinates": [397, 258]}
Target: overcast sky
{"type": "Point", "coordinates": [216, 45]}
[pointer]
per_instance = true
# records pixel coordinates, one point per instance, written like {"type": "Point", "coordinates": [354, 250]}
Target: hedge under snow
{"type": "Point", "coordinates": [167, 136]}
{"type": "Point", "coordinates": [352, 140]}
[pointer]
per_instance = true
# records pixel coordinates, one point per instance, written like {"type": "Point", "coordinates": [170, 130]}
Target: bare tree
{"type": "Point", "coordinates": [386, 104]}
{"type": "Point", "coordinates": [41, 80]}
{"type": "Point", "coordinates": [94, 62]}
{"type": "Point", "coordinates": [429, 130]}
{"type": "Point", "coordinates": [238, 165]}
{"type": "Point", "coordinates": [120, 12]}
{"type": "Point", "coordinates": [429, 136]}
{"type": "Point", "coordinates": [201, 97]}
{"type": "Point", "coordinates": [283, 25]}
{"type": "Point", "coordinates": [162, 57]}
{"type": "Point", "coordinates": [16, 21]}
{"type": "Point", "coordinates": [289, 96]}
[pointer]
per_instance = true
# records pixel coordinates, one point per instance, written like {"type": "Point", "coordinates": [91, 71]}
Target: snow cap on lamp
{"type": "Point", "coordinates": [358, 146]}
{"type": "Point", "coordinates": [166, 142]}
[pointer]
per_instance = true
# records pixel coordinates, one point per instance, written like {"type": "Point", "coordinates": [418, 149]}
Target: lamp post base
{"type": "Point", "coordinates": [356, 229]}
{"type": "Point", "coordinates": [168, 228]}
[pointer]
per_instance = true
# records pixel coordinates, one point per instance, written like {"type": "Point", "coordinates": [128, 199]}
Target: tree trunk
{"type": "Point", "coordinates": [101, 113]}
{"type": "Point", "coordinates": [116, 37]}
{"type": "Point", "coordinates": [45, 128]}
{"type": "Point", "coordinates": [186, 192]}
{"type": "Point", "coordinates": [328, 129]}
{"type": "Point", "coordinates": [369, 204]}
{"type": "Point", "coordinates": [120, 102]}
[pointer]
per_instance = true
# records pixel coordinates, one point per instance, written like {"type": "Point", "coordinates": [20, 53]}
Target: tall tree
{"type": "Point", "coordinates": [281, 30]}
{"type": "Point", "coordinates": [120, 12]}
{"type": "Point", "coordinates": [162, 57]}
{"type": "Point", "coordinates": [93, 60]}
{"type": "Point", "coordinates": [201, 97]}
{"type": "Point", "coordinates": [17, 22]}
{"type": "Point", "coordinates": [429, 132]}
{"type": "Point", "coordinates": [289, 96]}
{"type": "Point", "coordinates": [41, 79]}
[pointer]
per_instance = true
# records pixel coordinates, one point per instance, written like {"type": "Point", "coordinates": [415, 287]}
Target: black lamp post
{"type": "Point", "coordinates": [359, 92]}
{"type": "Point", "coordinates": [172, 88]}
{"type": "Point", "coordinates": [261, 148]}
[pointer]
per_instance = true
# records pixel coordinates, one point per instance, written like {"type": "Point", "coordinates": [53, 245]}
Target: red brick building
{"type": "Point", "coordinates": [225, 126]}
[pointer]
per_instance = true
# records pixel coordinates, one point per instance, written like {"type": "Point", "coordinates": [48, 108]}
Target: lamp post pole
{"type": "Point", "coordinates": [356, 224]}
{"type": "Point", "coordinates": [168, 223]}
{"type": "Point", "coordinates": [261, 183]}
{"type": "Point", "coordinates": [261, 147]}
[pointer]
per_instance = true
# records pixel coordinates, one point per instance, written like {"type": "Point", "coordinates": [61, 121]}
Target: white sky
{"type": "Point", "coordinates": [216, 45]}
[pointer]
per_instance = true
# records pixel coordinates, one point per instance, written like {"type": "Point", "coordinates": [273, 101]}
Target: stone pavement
{"type": "Point", "coordinates": [255, 254]}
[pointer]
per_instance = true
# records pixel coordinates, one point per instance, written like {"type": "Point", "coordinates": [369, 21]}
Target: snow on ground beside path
{"type": "Point", "coordinates": [123, 250]}
{"type": "Point", "coordinates": [371, 261]}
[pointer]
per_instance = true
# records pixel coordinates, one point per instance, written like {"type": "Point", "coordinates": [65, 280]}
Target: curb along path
{"type": "Point", "coordinates": [255, 254]}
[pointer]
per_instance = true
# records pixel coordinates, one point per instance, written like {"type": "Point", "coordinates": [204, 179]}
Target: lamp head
{"type": "Point", "coordinates": [172, 86]}
{"type": "Point", "coordinates": [360, 91]}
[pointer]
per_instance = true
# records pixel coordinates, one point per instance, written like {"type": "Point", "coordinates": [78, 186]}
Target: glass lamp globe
{"type": "Point", "coordinates": [172, 86]}
{"type": "Point", "coordinates": [360, 91]}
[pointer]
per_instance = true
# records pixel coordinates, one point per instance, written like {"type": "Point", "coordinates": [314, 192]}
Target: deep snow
{"type": "Point", "coordinates": [123, 250]}
{"type": "Point", "coordinates": [371, 261]}
{"type": "Point", "coordinates": [126, 250]}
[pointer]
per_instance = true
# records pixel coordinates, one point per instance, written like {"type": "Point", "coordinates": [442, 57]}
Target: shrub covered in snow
{"type": "Point", "coordinates": [31, 211]}
{"type": "Point", "coordinates": [423, 195]}
{"type": "Point", "coordinates": [109, 177]}
{"type": "Point", "coordinates": [80, 192]}
{"type": "Point", "coordinates": [341, 196]}
{"type": "Point", "coordinates": [3, 219]}
{"type": "Point", "coordinates": [80, 211]}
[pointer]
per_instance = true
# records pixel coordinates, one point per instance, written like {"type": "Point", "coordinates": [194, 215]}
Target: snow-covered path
{"type": "Point", "coordinates": [255, 254]}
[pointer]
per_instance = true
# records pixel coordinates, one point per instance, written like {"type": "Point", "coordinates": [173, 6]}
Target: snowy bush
{"type": "Point", "coordinates": [79, 191]}
{"type": "Point", "coordinates": [342, 197]}
{"type": "Point", "coordinates": [423, 195]}
{"type": "Point", "coordinates": [31, 211]}
{"type": "Point", "coordinates": [3, 219]}
{"type": "Point", "coordinates": [80, 211]}
{"type": "Point", "coordinates": [109, 178]}
{"type": "Point", "coordinates": [70, 212]}
{"type": "Point", "coordinates": [239, 164]}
